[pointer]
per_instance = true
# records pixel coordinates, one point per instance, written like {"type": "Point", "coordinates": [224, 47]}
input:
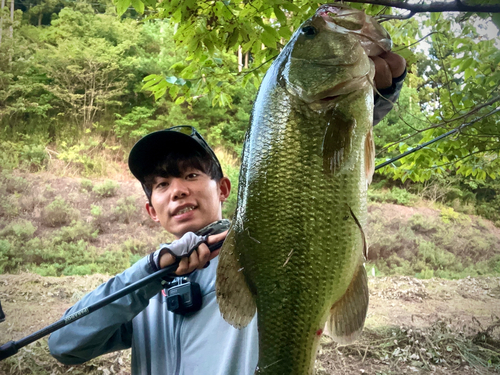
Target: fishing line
{"type": "Point", "coordinates": [419, 147]}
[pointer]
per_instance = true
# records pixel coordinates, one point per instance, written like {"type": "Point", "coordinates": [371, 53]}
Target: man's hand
{"type": "Point", "coordinates": [388, 65]}
{"type": "Point", "coordinates": [198, 258]}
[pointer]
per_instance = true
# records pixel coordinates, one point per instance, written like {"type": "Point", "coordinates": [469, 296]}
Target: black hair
{"type": "Point", "coordinates": [175, 163]}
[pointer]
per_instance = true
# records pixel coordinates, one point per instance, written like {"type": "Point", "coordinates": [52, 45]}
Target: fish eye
{"type": "Point", "coordinates": [309, 31]}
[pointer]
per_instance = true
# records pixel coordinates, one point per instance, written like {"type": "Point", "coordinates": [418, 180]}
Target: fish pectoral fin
{"type": "Point", "coordinates": [347, 316]}
{"type": "Point", "coordinates": [236, 302]}
{"type": "Point", "coordinates": [369, 156]}
{"type": "Point", "coordinates": [337, 142]}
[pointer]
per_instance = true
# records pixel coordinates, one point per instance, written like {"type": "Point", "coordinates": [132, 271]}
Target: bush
{"type": "Point", "coordinates": [449, 214]}
{"type": "Point", "coordinates": [58, 213]}
{"type": "Point", "coordinates": [428, 247]}
{"type": "Point", "coordinates": [126, 209]}
{"type": "Point", "coordinates": [83, 157]}
{"type": "Point", "coordinates": [34, 157]}
{"type": "Point", "coordinates": [86, 185]}
{"type": "Point", "coordinates": [99, 220]}
{"type": "Point", "coordinates": [394, 195]}
{"type": "Point", "coordinates": [13, 184]}
{"type": "Point", "coordinates": [107, 189]}
{"type": "Point", "coordinates": [20, 229]}
{"type": "Point", "coordinates": [9, 258]}
{"type": "Point", "coordinates": [78, 230]}
{"type": "Point", "coordinates": [28, 202]}
{"type": "Point", "coordinates": [9, 207]}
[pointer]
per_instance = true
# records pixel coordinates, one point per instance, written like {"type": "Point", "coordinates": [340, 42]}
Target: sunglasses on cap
{"type": "Point", "coordinates": [193, 133]}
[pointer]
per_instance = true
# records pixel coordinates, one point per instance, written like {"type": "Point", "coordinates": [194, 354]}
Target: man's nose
{"type": "Point", "coordinates": [179, 188]}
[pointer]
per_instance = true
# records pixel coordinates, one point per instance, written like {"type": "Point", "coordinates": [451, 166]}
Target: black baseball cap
{"type": "Point", "coordinates": [152, 149]}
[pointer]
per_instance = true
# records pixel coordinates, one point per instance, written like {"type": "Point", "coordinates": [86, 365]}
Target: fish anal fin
{"type": "Point", "coordinates": [236, 302]}
{"type": "Point", "coordinates": [369, 157]}
{"type": "Point", "coordinates": [347, 316]}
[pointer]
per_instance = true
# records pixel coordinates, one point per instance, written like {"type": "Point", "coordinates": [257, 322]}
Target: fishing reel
{"type": "Point", "coordinates": [183, 296]}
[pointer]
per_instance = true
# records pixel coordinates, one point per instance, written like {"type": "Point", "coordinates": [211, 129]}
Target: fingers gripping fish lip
{"type": "Point", "coordinates": [330, 58]}
{"type": "Point", "coordinates": [373, 37]}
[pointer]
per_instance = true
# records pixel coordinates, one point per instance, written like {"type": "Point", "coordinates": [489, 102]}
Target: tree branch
{"type": "Point", "coordinates": [445, 122]}
{"type": "Point", "coordinates": [437, 6]}
{"type": "Point", "coordinates": [463, 157]}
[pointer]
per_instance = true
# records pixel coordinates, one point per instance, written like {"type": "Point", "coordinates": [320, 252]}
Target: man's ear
{"type": "Point", "coordinates": [152, 212]}
{"type": "Point", "coordinates": [225, 188]}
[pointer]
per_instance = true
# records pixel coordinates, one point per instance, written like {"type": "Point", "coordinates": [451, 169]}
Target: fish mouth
{"type": "Point", "coordinates": [373, 37]}
{"type": "Point", "coordinates": [341, 90]}
{"type": "Point", "coordinates": [329, 98]}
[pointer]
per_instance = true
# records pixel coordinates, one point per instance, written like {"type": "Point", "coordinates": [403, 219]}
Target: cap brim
{"type": "Point", "coordinates": [154, 147]}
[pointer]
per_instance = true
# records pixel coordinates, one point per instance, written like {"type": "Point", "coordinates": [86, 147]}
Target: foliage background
{"type": "Point", "coordinates": [81, 82]}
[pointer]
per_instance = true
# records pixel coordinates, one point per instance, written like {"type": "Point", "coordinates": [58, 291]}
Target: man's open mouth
{"type": "Point", "coordinates": [184, 210]}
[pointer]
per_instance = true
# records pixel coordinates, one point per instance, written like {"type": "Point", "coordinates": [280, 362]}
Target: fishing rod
{"type": "Point", "coordinates": [419, 147]}
{"type": "Point", "coordinates": [167, 273]}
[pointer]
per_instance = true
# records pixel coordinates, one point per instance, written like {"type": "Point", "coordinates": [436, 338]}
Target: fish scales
{"type": "Point", "coordinates": [296, 239]}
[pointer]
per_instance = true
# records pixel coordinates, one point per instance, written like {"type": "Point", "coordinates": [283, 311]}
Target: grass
{"type": "Point", "coordinates": [448, 245]}
{"type": "Point", "coordinates": [424, 349]}
{"type": "Point", "coordinates": [35, 359]}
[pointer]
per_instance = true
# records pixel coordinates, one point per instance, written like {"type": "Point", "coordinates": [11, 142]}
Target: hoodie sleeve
{"type": "Point", "coordinates": [385, 98]}
{"type": "Point", "coordinates": [109, 328]}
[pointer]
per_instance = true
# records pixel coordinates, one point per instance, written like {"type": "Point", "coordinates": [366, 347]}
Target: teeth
{"type": "Point", "coordinates": [184, 210]}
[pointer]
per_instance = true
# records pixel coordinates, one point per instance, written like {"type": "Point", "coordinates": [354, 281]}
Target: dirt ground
{"type": "Point", "coordinates": [402, 304]}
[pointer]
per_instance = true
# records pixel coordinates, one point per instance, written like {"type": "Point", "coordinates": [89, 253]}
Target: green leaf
{"type": "Point", "coordinates": [151, 80]}
{"type": "Point", "coordinates": [138, 6]}
{"type": "Point", "coordinates": [233, 38]}
{"type": "Point", "coordinates": [280, 15]}
{"type": "Point", "coordinates": [122, 6]}
{"type": "Point", "coordinates": [291, 7]}
{"type": "Point", "coordinates": [268, 39]}
{"type": "Point", "coordinates": [467, 63]}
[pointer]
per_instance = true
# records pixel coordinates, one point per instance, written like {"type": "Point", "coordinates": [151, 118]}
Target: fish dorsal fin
{"type": "Point", "coordinates": [236, 302]}
{"type": "Point", "coordinates": [347, 316]}
{"type": "Point", "coordinates": [369, 156]}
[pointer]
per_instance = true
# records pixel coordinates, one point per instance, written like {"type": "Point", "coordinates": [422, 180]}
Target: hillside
{"type": "Point", "coordinates": [90, 229]}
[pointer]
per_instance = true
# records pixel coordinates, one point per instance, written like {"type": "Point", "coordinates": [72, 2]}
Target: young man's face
{"type": "Point", "coordinates": [189, 202]}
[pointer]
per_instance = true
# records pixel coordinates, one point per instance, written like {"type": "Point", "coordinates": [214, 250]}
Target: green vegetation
{"type": "Point", "coordinates": [126, 209]}
{"type": "Point", "coordinates": [52, 236]}
{"type": "Point", "coordinates": [76, 83]}
{"type": "Point", "coordinates": [394, 195]}
{"type": "Point", "coordinates": [443, 244]}
{"type": "Point", "coordinates": [106, 189]}
{"type": "Point", "coordinates": [58, 213]}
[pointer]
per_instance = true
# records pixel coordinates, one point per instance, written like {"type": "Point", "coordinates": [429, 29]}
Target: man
{"type": "Point", "coordinates": [185, 187]}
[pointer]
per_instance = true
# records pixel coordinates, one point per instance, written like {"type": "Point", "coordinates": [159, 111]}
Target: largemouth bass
{"type": "Point", "coordinates": [294, 252]}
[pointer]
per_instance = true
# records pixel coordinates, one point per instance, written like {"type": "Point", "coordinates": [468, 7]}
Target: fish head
{"type": "Point", "coordinates": [328, 56]}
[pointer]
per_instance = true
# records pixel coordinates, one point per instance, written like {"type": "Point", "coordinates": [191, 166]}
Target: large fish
{"type": "Point", "coordinates": [294, 252]}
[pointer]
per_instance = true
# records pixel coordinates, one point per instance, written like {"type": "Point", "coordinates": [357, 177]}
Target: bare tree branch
{"type": "Point", "coordinates": [463, 157]}
{"type": "Point", "coordinates": [435, 6]}
{"type": "Point", "coordinates": [445, 122]}
{"type": "Point", "coordinates": [457, 130]}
